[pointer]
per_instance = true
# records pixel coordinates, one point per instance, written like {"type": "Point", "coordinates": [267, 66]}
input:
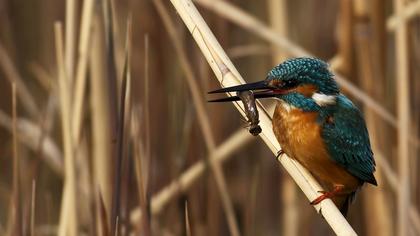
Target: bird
{"type": "Point", "coordinates": [318, 126]}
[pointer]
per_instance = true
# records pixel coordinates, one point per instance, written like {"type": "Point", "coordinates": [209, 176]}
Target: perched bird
{"type": "Point", "coordinates": [317, 126]}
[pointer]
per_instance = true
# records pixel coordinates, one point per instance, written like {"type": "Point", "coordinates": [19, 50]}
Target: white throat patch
{"type": "Point", "coordinates": [288, 107]}
{"type": "Point", "coordinates": [323, 99]}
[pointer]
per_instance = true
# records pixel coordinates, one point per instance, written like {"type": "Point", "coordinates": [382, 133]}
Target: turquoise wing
{"type": "Point", "coordinates": [347, 140]}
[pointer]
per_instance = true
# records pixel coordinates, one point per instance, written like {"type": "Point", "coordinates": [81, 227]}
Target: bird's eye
{"type": "Point", "coordinates": [288, 84]}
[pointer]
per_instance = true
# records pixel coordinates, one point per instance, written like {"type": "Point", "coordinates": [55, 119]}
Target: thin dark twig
{"type": "Point", "coordinates": [115, 123]}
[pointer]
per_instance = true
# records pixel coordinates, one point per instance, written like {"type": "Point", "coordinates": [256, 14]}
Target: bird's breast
{"type": "Point", "coordinates": [299, 135]}
{"type": "Point", "coordinates": [297, 131]}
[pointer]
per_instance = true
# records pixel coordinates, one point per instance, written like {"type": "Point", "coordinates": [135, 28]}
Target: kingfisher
{"type": "Point", "coordinates": [317, 126]}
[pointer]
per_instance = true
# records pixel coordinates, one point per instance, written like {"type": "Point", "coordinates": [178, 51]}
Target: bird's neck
{"type": "Point", "coordinates": [315, 103]}
{"type": "Point", "coordinates": [298, 101]}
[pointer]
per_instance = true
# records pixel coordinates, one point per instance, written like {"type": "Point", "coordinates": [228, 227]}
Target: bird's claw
{"type": "Point", "coordinates": [325, 194]}
{"type": "Point", "coordinates": [279, 153]}
{"type": "Point", "coordinates": [321, 198]}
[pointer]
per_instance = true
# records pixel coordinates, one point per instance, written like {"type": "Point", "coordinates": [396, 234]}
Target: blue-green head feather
{"type": "Point", "coordinates": [300, 71]}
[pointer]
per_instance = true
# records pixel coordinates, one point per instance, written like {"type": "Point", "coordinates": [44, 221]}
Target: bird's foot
{"type": "Point", "coordinates": [279, 153]}
{"type": "Point", "coordinates": [325, 194]}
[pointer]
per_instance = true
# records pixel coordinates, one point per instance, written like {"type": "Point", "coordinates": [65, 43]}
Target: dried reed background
{"type": "Point", "coordinates": [105, 129]}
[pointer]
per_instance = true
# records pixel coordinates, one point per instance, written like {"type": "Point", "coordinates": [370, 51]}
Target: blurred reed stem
{"type": "Point", "coordinates": [70, 41]}
{"type": "Point", "coordinates": [123, 134]}
{"type": "Point", "coordinates": [368, 64]}
{"type": "Point", "coordinates": [101, 226]}
{"type": "Point", "coordinates": [68, 215]}
{"type": "Point", "coordinates": [290, 217]}
{"type": "Point", "coordinates": [146, 103]}
{"type": "Point", "coordinates": [139, 154]}
{"type": "Point", "coordinates": [42, 76]}
{"type": "Point", "coordinates": [408, 12]}
{"type": "Point", "coordinates": [142, 167]}
{"type": "Point", "coordinates": [187, 220]}
{"type": "Point", "coordinates": [403, 114]}
{"type": "Point", "coordinates": [84, 50]}
{"type": "Point", "coordinates": [12, 74]}
{"type": "Point", "coordinates": [29, 135]}
{"type": "Point", "coordinates": [15, 207]}
{"type": "Point", "coordinates": [33, 207]}
{"type": "Point", "coordinates": [101, 118]}
{"type": "Point", "coordinates": [345, 38]}
{"type": "Point", "coordinates": [240, 51]}
{"type": "Point", "coordinates": [113, 98]}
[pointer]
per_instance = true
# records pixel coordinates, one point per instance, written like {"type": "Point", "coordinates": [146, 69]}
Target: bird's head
{"type": "Point", "coordinates": [305, 83]}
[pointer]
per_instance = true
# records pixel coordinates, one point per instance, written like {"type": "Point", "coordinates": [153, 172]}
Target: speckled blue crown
{"type": "Point", "coordinates": [306, 71]}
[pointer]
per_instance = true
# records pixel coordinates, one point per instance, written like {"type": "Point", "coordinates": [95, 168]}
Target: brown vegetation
{"type": "Point", "coordinates": [105, 129]}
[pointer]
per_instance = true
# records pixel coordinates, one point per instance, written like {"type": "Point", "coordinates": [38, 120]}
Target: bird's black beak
{"type": "Point", "coordinates": [261, 89]}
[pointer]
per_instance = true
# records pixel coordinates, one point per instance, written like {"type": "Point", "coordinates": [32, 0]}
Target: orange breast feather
{"type": "Point", "coordinates": [299, 135]}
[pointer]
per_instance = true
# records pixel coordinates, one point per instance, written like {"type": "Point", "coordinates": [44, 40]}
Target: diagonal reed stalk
{"type": "Point", "coordinates": [202, 117]}
{"type": "Point", "coordinates": [43, 77]}
{"type": "Point", "coordinates": [29, 134]}
{"type": "Point", "coordinates": [12, 74]}
{"type": "Point", "coordinates": [35, 132]}
{"type": "Point", "coordinates": [227, 74]}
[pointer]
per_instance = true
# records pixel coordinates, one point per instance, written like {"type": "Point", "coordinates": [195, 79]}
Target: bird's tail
{"type": "Point", "coordinates": [343, 202]}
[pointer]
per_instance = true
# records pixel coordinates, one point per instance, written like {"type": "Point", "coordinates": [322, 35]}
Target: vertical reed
{"type": "Point", "coordinates": [345, 38]}
{"type": "Point", "coordinates": [70, 41]}
{"type": "Point", "coordinates": [33, 207]}
{"type": "Point", "coordinates": [68, 214]}
{"type": "Point", "coordinates": [16, 209]}
{"type": "Point", "coordinates": [290, 220]}
{"type": "Point", "coordinates": [368, 63]}
{"type": "Point", "coordinates": [403, 114]}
